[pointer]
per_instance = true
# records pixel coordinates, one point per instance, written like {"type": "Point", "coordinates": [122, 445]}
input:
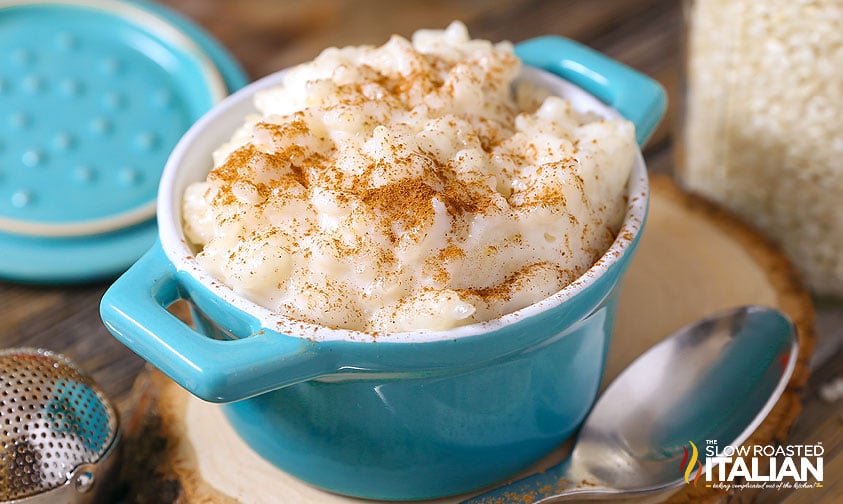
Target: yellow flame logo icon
{"type": "Point", "coordinates": [688, 465]}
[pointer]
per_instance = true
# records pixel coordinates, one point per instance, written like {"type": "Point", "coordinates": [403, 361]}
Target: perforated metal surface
{"type": "Point", "coordinates": [53, 419]}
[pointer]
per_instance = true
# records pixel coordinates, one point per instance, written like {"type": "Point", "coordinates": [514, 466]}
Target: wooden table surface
{"type": "Point", "coordinates": [267, 35]}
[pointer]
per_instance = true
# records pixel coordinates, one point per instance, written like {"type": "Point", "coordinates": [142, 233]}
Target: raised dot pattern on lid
{"type": "Point", "coordinates": [91, 103]}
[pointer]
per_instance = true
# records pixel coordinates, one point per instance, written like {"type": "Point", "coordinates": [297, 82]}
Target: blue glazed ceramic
{"type": "Point", "coordinates": [407, 415]}
{"type": "Point", "coordinates": [94, 95]}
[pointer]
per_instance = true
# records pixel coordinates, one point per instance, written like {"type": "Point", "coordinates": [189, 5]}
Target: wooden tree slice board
{"type": "Point", "coordinates": [694, 259]}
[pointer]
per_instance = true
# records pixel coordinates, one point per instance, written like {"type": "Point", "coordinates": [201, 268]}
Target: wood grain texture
{"type": "Point", "coordinates": [267, 35]}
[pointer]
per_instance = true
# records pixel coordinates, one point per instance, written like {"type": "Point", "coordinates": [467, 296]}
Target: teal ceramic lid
{"type": "Point", "coordinates": [93, 96]}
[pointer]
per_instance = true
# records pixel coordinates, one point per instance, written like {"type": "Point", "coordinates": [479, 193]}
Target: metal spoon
{"type": "Point", "coordinates": [711, 382]}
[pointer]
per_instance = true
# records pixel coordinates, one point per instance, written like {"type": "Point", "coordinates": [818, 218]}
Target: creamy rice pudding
{"type": "Point", "coordinates": [409, 186]}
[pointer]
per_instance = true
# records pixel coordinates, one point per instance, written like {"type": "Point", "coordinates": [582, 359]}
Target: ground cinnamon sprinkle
{"type": "Point", "coordinates": [438, 263]}
{"type": "Point", "coordinates": [405, 187]}
{"type": "Point", "coordinates": [451, 253]}
{"type": "Point", "coordinates": [407, 202]}
{"type": "Point", "coordinates": [504, 290]}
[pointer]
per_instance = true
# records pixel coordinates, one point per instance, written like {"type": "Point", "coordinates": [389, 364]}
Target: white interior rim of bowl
{"type": "Point", "coordinates": [182, 257]}
{"type": "Point", "coordinates": [166, 31]}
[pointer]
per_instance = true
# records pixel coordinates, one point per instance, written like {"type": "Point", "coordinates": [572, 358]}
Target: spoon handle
{"type": "Point", "coordinates": [552, 484]}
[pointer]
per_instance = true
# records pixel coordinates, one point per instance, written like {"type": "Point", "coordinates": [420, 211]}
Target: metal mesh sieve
{"type": "Point", "coordinates": [57, 429]}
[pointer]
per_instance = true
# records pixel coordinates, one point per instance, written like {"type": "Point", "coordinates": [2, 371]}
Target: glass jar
{"type": "Point", "coordinates": [763, 123]}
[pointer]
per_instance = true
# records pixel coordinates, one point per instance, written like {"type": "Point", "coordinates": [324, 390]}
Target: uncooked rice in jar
{"type": "Point", "coordinates": [404, 187]}
{"type": "Point", "coordinates": [764, 123]}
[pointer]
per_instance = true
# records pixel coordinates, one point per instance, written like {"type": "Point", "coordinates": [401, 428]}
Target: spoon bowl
{"type": "Point", "coordinates": [712, 382]}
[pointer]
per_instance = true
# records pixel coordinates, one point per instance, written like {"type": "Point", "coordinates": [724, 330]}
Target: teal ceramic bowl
{"type": "Point", "coordinates": [411, 415]}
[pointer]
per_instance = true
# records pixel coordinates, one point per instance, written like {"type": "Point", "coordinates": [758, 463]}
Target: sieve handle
{"type": "Point", "coordinates": [637, 97]}
{"type": "Point", "coordinates": [134, 309]}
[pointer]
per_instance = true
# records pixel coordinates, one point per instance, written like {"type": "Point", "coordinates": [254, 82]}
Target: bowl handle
{"type": "Point", "coordinates": [637, 97]}
{"type": "Point", "coordinates": [134, 309]}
